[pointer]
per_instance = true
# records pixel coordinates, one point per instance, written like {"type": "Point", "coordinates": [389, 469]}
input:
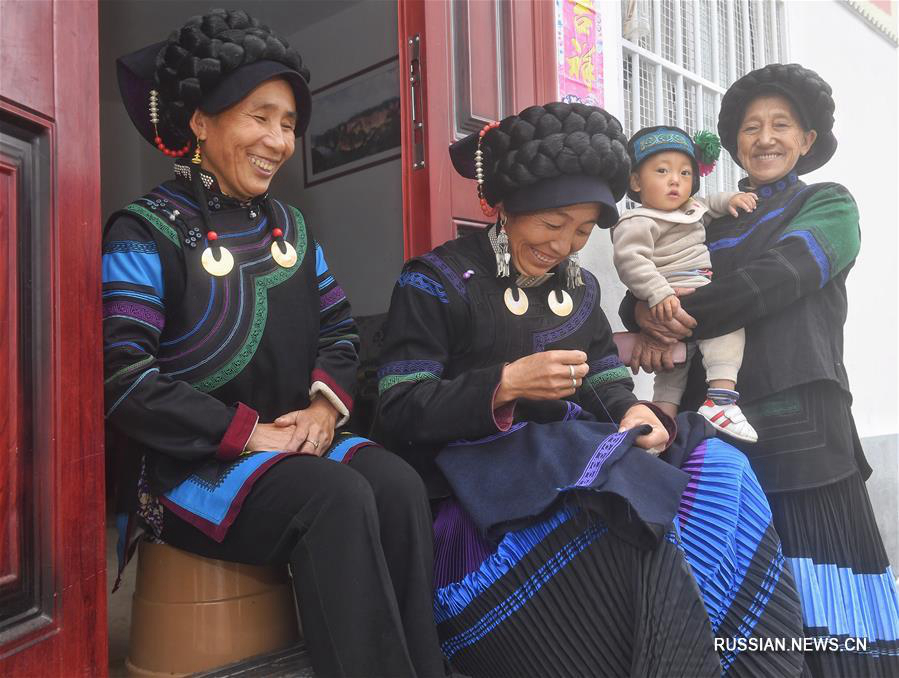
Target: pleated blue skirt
{"type": "Point", "coordinates": [566, 597]}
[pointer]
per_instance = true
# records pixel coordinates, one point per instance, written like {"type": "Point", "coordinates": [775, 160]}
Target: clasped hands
{"type": "Point", "coordinates": [308, 431]}
{"type": "Point", "coordinates": [551, 375]}
{"type": "Point", "coordinates": [661, 326]}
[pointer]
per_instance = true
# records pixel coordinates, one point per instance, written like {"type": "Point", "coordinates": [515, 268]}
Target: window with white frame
{"type": "Point", "coordinates": [679, 57]}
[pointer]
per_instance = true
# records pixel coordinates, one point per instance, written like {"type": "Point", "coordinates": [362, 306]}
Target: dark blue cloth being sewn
{"type": "Point", "coordinates": [507, 480]}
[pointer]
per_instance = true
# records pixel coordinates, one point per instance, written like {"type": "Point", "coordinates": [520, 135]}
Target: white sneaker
{"type": "Point", "coordinates": [729, 419]}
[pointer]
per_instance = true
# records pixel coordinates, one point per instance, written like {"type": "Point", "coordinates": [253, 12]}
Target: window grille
{"type": "Point", "coordinates": [683, 54]}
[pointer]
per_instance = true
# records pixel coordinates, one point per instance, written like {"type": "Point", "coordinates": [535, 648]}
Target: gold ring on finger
{"type": "Point", "coordinates": [314, 444]}
{"type": "Point", "coordinates": [571, 369]}
{"type": "Point", "coordinates": [574, 383]}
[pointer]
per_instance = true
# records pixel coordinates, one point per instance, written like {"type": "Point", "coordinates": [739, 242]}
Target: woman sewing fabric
{"type": "Point", "coordinates": [565, 546]}
{"type": "Point", "coordinates": [780, 272]}
{"type": "Point", "coordinates": [231, 355]}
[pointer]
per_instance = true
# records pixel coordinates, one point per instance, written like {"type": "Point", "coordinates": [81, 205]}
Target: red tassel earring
{"type": "Point", "coordinates": [486, 207]}
{"type": "Point", "coordinates": [154, 118]}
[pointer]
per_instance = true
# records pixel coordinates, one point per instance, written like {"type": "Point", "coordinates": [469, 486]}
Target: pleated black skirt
{"type": "Point", "coordinates": [847, 589]}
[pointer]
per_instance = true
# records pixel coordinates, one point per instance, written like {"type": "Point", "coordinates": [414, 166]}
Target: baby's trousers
{"type": "Point", "coordinates": [721, 357]}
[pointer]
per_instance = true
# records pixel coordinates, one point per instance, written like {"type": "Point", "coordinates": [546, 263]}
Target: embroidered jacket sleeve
{"type": "Point", "coordinates": [817, 244]}
{"type": "Point", "coordinates": [608, 390]}
{"type": "Point", "coordinates": [334, 374]}
{"type": "Point", "coordinates": [418, 402]}
{"type": "Point", "coordinates": [142, 270]}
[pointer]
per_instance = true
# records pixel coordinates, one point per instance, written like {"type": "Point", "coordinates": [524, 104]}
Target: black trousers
{"type": "Point", "coordinates": [359, 541]}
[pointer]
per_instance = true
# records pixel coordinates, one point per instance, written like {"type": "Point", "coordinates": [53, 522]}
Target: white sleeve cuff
{"type": "Point", "coordinates": [320, 387]}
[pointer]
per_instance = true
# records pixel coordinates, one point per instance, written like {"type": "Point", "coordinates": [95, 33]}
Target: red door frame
{"type": "Point", "coordinates": [49, 92]}
{"type": "Point", "coordinates": [435, 198]}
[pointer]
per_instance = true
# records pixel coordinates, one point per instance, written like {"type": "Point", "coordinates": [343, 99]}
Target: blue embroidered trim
{"type": "Point", "coordinates": [608, 362]}
{"type": "Point", "coordinates": [815, 250]}
{"type": "Point", "coordinates": [451, 276]}
{"type": "Point", "coordinates": [424, 283]}
{"type": "Point", "coordinates": [212, 502]}
{"type": "Point", "coordinates": [725, 243]}
{"type": "Point", "coordinates": [130, 246]}
{"type": "Point", "coordinates": [343, 445]}
{"type": "Point", "coordinates": [573, 411]}
{"type": "Point", "coordinates": [573, 324]}
{"type": "Point", "coordinates": [603, 452]}
{"type": "Point", "coordinates": [490, 438]}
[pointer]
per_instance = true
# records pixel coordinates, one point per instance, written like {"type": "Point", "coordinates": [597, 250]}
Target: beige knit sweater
{"type": "Point", "coordinates": [655, 250]}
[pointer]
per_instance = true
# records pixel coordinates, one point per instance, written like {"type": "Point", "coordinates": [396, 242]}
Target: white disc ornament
{"type": "Point", "coordinates": [517, 306]}
{"type": "Point", "coordinates": [284, 259]}
{"type": "Point", "coordinates": [562, 308]}
{"type": "Point", "coordinates": [217, 268]}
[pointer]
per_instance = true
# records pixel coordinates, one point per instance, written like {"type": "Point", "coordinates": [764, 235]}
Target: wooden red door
{"type": "Point", "coordinates": [466, 63]}
{"type": "Point", "coordinates": [52, 562]}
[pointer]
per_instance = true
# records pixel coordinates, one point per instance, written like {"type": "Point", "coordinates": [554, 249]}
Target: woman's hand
{"type": "Point", "coordinates": [651, 355]}
{"type": "Point", "coordinates": [270, 437]}
{"type": "Point", "coordinates": [665, 331]}
{"type": "Point", "coordinates": [313, 428]}
{"type": "Point", "coordinates": [548, 375]}
{"type": "Point", "coordinates": [654, 441]}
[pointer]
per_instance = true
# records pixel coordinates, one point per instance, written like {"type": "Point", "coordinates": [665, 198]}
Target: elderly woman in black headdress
{"type": "Point", "coordinates": [563, 548]}
{"type": "Point", "coordinates": [780, 272]}
{"type": "Point", "coordinates": [231, 356]}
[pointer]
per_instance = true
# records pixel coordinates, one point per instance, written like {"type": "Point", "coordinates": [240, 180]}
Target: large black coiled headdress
{"type": "Point", "coordinates": [805, 89]}
{"type": "Point", "coordinates": [210, 63]}
{"type": "Point", "coordinates": [551, 156]}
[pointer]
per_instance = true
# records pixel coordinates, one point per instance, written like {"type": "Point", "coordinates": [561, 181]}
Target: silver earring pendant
{"type": "Point", "coordinates": [560, 308]}
{"type": "Point", "coordinates": [219, 267]}
{"type": "Point", "coordinates": [573, 276]}
{"type": "Point", "coordinates": [518, 306]}
{"type": "Point", "coordinates": [502, 251]}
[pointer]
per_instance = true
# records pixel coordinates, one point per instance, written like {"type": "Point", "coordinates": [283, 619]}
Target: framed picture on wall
{"type": "Point", "coordinates": [355, 123]}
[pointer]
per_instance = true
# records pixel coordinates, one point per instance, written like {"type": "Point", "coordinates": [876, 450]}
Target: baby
{"type": "Point", "coordinates": [661, 245]}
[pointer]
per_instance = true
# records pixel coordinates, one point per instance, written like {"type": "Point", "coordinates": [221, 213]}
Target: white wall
{"type": "Point", "coordinates": [357, 218]}
{"type": "Point", "coordinates": [862, 72]}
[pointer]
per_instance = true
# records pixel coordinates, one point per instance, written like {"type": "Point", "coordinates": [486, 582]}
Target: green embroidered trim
{"type": "Point", "coordinates": [157, 222]}
{"type": "Point", "coordinates": [777, 405]}
{"type": "Point", "coordinates": [301, 241]}
{"type": "Point", "coordinates": [392, 380]}
{"type": "Point", "coordinates": [128, 368]}
{"type": "Point", "coordinates": [260, 313]}
{"type": "Point", "coordinates": [615, 374]}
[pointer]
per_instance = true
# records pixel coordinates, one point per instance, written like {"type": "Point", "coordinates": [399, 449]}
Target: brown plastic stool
{"type": "Point", "coordinates": [193, 614]}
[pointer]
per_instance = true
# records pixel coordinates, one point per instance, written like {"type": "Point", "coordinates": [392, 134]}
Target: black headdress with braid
{"type": "Point", "coordinates": [550, 156]}
{"type": "Point", "coordinates": [805, 89]}
{"type": "Point", "coordinates": [211, 63]}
